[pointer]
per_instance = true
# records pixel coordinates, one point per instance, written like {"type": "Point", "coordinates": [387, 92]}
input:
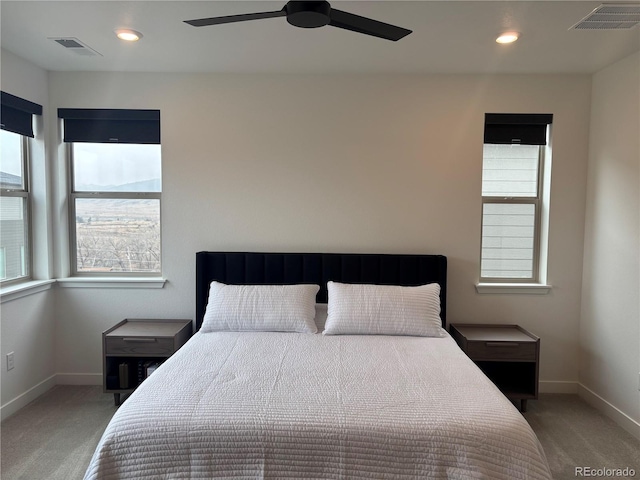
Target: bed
{"type": "Point", "coordinates": [298, 404]}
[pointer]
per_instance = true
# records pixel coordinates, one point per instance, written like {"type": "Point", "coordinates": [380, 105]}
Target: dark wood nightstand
{"type": "Point", "coordinates": [134, 347]}
{"type": "Point", "coordinates": [507, 354]}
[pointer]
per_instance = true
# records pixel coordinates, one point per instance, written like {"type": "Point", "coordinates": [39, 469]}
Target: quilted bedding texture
{"type": "Point", "coordinates": [299, 406]}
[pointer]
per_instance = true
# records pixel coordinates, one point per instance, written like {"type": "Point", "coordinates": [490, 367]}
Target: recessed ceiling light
{"type": "Point", "coordinates": [128, 35]}
{"type": "Point", "coordinates": [508, 37]}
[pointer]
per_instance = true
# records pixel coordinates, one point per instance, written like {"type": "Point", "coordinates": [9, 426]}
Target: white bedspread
{"type": "Point", "coordinates": [289, 405]}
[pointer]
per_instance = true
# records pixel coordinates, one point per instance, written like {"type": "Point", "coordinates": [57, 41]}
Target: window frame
{"type": "Point", "coordinates": [24, 192]}
{"type": "Point", "coordinates": [520, 200]}
{"type": "Point", "coordinates": [74, 195]}
{"type": "Point", "coordinates": [540, 201]}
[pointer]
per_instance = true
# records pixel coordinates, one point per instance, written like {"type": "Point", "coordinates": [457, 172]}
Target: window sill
{"type": "Point", "coordinates": [20, 290]}
{"type": "Point", "coordinates": [114, 282]}
{"type": "Point", "coordinates": [511, 288]}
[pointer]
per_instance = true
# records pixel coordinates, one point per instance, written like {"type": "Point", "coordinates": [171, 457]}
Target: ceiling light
{"type": "Point", "coordinates": [508, 37]}
{"type": "Point", "coordinates": [128, 35]}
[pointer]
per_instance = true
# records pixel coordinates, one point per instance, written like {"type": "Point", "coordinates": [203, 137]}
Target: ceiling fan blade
{"type": "Point", "coordinates": [203, 22]}
{"type": "Point", "coordinates": [368, 26]}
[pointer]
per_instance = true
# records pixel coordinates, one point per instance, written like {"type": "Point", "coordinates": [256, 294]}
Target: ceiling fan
{"type": "Point", "coordinates": [313, 14]}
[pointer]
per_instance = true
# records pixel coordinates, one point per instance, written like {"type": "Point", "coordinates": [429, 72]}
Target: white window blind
{"type": "Point", "coordinates": [510, 170]}
{"type": "Point", "coordinates": [508, 240]}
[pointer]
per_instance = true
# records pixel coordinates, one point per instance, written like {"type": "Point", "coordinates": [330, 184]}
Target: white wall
{"type": "Point", "coordinates": [610, 323]}
{"type": "Point", "coordinates": [337, 163]}
{"type": "Point", "coordinates": [27, 325]}
{"type": "Point", "coordinates": [357, 164]}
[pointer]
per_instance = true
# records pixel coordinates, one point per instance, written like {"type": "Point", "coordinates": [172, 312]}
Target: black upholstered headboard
{"type": "Point", "coordinates": [317, 268]}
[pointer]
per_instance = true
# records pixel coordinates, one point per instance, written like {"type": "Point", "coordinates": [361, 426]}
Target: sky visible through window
{"type": "Point", "coordinates": [10, 154]}
{"type": "Point", "coordinates": [109, 167]}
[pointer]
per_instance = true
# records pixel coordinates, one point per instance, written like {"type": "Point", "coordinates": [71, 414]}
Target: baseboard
{"type": "Point", "coordinates": [79, 379]}
{"type": "Point", "coordinates": [22, 400]}
{"type": "Point", "coordinates": [617, 415]}
{"type": "Point", "coordinates": [557, 386]}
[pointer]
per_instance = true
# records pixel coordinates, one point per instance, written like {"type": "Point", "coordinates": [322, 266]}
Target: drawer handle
{"type": "Point", "coordinates": [501, 344]}
{"type": "Point", "coordinates": [139, 340]}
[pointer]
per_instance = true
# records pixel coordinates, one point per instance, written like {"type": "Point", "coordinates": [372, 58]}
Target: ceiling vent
{"type": "Point", "coordinates": [620, 16]}
{"type": "Point", "coordinates": [74, 45]}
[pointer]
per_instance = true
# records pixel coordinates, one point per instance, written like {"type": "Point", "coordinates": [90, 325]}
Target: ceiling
{"type": "Point", "coordinates": [448, 37]}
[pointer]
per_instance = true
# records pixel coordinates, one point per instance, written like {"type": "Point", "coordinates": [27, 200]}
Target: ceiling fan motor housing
{"type": "Point", "coordinates": [308, 14]}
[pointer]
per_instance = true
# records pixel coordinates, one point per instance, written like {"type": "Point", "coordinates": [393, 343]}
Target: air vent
{"type": "Point", "coordinates": [74, 45]}
{"type": "Point", "coordinates": [610, 17]}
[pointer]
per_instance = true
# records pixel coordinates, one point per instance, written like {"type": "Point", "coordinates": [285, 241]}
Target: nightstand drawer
{"type": "Point", "coordinates": [139, 346]}
{"type": "Point", "coordinates": [513, 351]}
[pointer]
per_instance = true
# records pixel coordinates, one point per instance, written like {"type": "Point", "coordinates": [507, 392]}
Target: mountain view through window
{"type": "Point", "coordinates": [116, 207]}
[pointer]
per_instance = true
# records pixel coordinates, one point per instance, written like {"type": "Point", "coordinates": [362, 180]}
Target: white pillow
{"type": "Point", "coordinates": [264, 308]}
{"type": "Point", "coordinates": [383, 310]}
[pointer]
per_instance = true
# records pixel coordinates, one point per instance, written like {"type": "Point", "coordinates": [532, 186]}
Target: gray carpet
{"type": "Point", "coordinates": [574, 434]}
{"type": "Point", "coordinates": [53, 438]}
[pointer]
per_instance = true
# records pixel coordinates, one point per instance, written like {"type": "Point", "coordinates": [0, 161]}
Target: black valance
{"type": "Point", "coordinates": [16, 114]}
{"type": "Point", "coordinates": [517, 128]}
{"type": "Point", "coordinates": [110, 126]}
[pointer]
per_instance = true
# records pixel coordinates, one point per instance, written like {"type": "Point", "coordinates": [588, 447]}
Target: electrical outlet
{"type": "Point", "coordinates": [10, 364]}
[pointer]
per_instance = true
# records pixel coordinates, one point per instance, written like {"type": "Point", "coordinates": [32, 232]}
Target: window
{"type": "Point", "coordinates": [514, 157]}
{"type": "Point", "coordinates": [115, 183]}
{"type": "Point", "coordinates": [15, 197]}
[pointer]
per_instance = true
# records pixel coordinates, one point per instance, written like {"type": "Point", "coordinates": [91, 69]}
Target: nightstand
{"type": "Point", "coordinates": [507, 354]}
{"type": "Point", "coordinates": [133, 348]}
